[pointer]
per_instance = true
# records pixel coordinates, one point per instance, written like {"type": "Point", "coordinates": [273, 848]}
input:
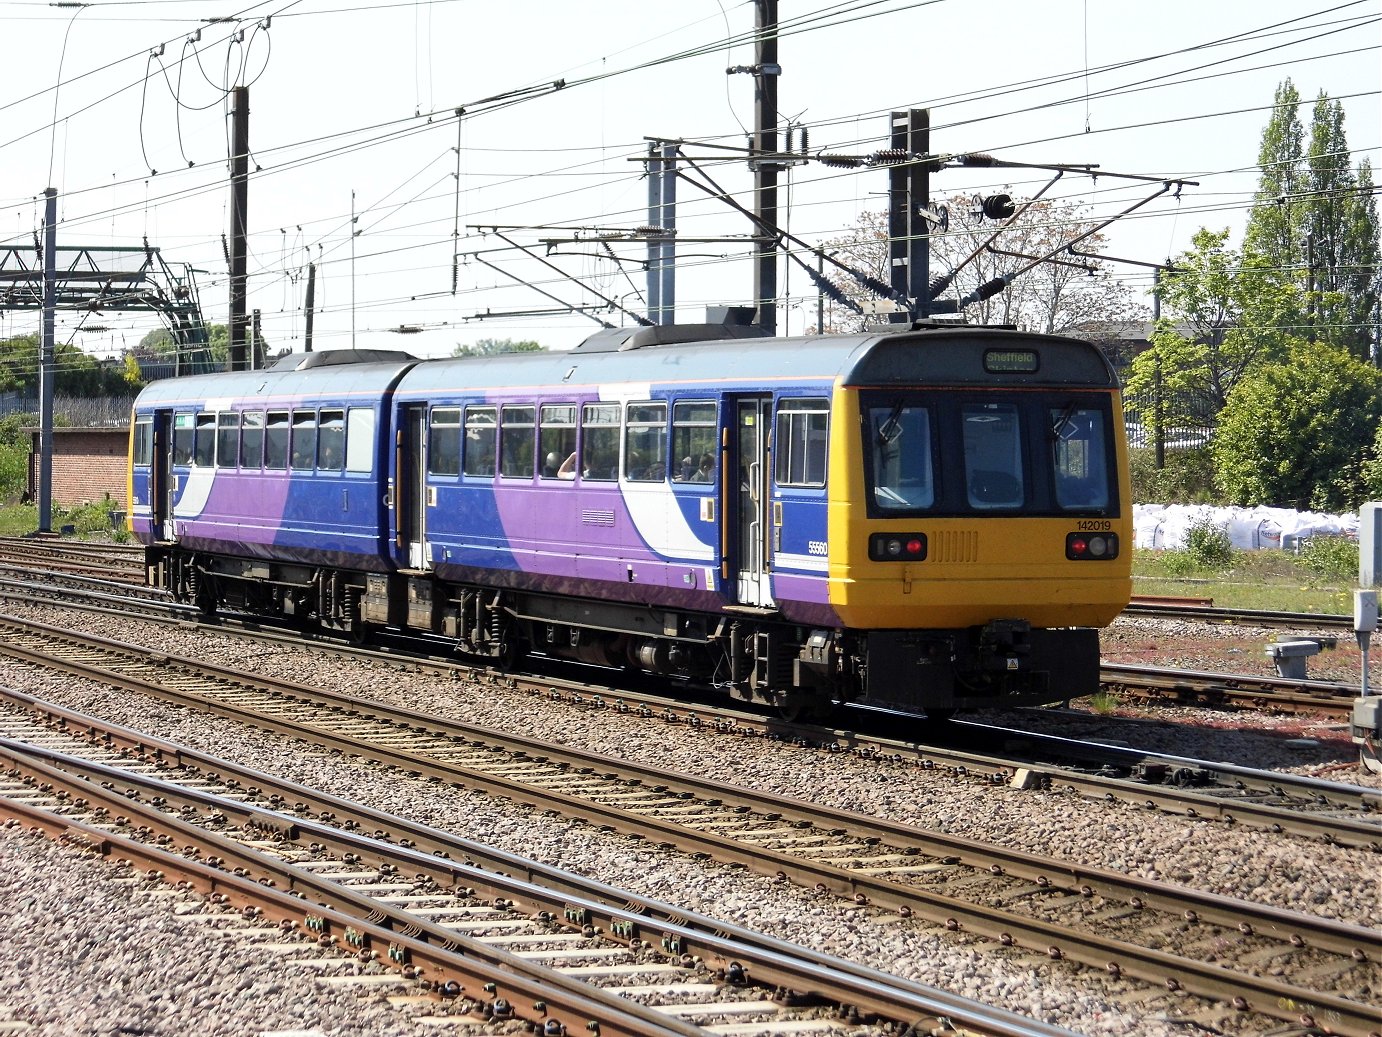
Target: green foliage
{"type": "Point", "coordinates": [1104, 703]}
{"type": "Point", "coordinates": [75, 373]}
{"type": "Point", "coordinates": [14, 470]}
{"type": "Point", "coordinates": [1333, 557]}
{"type": "Point", "coordinates": [1372, 468]}
{"type": "Point", "coordinates": [1228, 310]}
{"type": "Point", "coordinates": [1208, 545]}
{"type": "Point", "coordinates": [1187, 478]}
{"type": "Point", "coordinates": [494, 346]}
{"type": "Point", "coordinates": [1299, 434]}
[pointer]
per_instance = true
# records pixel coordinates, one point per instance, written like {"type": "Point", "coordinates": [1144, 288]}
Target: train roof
{"type": "Point", "coordinates": [339, 373]}
{"type": "Point", "coordinates": [698, 354]}
{"type": "Point", "coordinates": [934, 355]}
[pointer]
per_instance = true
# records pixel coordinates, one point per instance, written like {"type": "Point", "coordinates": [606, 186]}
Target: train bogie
{"type": "Point", "coordinates": [928, 519]}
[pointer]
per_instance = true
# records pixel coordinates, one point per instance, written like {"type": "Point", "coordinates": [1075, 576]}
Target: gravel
{"type": "Point", "coordinates": [1286, 872]}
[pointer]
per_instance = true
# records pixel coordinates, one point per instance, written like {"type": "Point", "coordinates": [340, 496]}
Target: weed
{"type": "Point", "coordinates": [1103, 702]}
{"type": "Point", "coordinates": [1333, 557]}
{"type": "Point", "coordinates": [1208, 544]}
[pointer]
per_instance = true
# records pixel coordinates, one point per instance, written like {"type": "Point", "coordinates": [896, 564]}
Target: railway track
{"type": "Point", "coordinates": [117, 562]}
{"type": "Point", "coordinates": [1327, 811]}
{"type": "Point", "coordinates": [606, 948]}
{"type": "Point", "coordinates": [1046, 908]}
{"type": "Point", "coordinates": [1202, 609]}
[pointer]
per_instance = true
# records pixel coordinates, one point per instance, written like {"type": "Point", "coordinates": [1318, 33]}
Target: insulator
{"type": "Point", "coordinates": [874, 285]}
{"type": "Point", "coordinates": [977, 158]}
{"type": "Point", "coordinates": [840, 161]}
{"type": "Point", "coordinates": [649, 229]}
{"type": "Point", "coordinates": [997, 206]}
{"type": "Point", "coordinates": [989, 289]}
{"type": "Point", "coordinates": [940, 284]}
{"type": "Point", "coordinates": [805, 140]}
{"type": "Point", "coordinates": [889, 157]}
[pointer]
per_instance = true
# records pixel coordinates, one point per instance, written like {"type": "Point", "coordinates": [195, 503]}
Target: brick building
{"type": "Point", "coordinates": [88, 463]}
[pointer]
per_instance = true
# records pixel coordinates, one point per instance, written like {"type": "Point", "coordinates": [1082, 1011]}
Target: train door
{"type": "Point", "coordinates": [746, 489]}
{"type": "Point", "coordinates": [162, 484]}
{"type": "Point", "coordinates": [411, 473]}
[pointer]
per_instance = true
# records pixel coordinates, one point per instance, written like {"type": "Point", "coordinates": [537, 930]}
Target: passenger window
{"type": "Point", "coordinates": [557, 442]}
{"type": "Point", "coordinates": [276, 440]}
{"type": "Point", "coordinates": [645, 443]}
{"type": "Point", "coordinates": [899, 439]}
{"type": "Point", "coordinates": [444, 441]}
{"type": "Point", "coordinates": [143, 443]}
{"type": "Point", "coordinates": [516, 442]}
{"type": "Point", "coordinates": [252, 439]}
{"type": "Point", "coordinates": [331, 441]}
{"type": "Point", "coordinates": [204, 455]}
{"type": "Point", "coordinates": [480, 431]}
{"type": "Point", "coordinates": [304, 439]}
{"type": "Point", "coordinates": [227, 440]}
{"type": "Point", "coordinates": [359, 444]}
{"type": "Point", "coordinates": [800, 443]}
{"type": "Point", "coordinates": [1077, 443]}
{"type": "Point", "coordinates": [600, 442]}
{"type": "Point", "coordinates": [694, 447]}
{"type": "Point", "coordinates": [184, 435]}
{"type": "Point", "coordinates": [993, 456]}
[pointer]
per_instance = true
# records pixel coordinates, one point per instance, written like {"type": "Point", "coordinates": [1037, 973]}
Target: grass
{"type": "Point", "coordinates": [88, 520]}
{"type": "Point", "coordinates": [1271, 580]}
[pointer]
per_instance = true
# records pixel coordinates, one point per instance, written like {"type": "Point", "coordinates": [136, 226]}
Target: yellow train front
{"type": "Point", "coordinates": [979, 520]}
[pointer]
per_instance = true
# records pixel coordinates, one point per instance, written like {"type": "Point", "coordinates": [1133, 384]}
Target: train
{"type": "Point", "coordinates": [924, 518]}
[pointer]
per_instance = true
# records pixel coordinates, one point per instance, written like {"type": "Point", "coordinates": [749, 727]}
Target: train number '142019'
{"type": "Point", "coordinates": [1094, 525]}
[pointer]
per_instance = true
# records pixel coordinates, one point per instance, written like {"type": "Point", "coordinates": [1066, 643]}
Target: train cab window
{"type": "Point", "coordinates": [645, 442]}
{"type": "Point", "coordinates": [276, 440]}
{"type": "Point", "coordinates": [1078, 441]}
{"type": "Point", "coordinates": [359, 444]}
{"type": "Point", "coordinates": [557, 442]}
{"type": "Point", "coordinates": [480, 430]}
{"type": "Point", "coordinates": [694, 441]}
{"type": "Point", "coordinates": [900, 444]}
{"type": "Point", "coordinates": [184, 436]}
{"type": "Point", "coordinates": [252, 439]}
{"type": "Point", "coordinates": [304, 439]}
{"type": "Point", "coordinates": [444, 441]}
{"type": "Point", "coordinates": [600, 442]}
{"type": "Point", "coordinates": [516, 442]}
{"type": "Point", "coordinates": [992, 435]}
{"type": "Point", "coordinates": [143, 443]}
{"type": "Point", "coordinates": [204, 454]}
{"type": "Point", "coordinates": [227, 439]}
{"type": "Point", "coordinates": [800, 442]}
{"type": "Point", "coordinates": [331, 441]}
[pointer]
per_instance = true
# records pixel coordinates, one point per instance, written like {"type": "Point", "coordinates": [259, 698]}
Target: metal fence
{"type": "Point", "coordinates": [74, 411]}
{"type": "Point", "coordinates": [1140, 412]}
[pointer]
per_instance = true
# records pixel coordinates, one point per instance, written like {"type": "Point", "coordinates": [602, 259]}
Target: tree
{"type": "Point", "coordinates": [1274, 223]}
{"type": "Point", "coordinates": [1341, 234]}
{"type": "Point", "coordinates": [1227, 317]}
{"type": "Point", "coordinates": [1301, 433]}
{"type": "Point", "coordinates": [1053, 296]}
{"type": "Point", "coordinates": [1316, 218]}
{"type": "Point", "coordinates": [494, 346]}
{"type": "Point", "coordinates": [75, 373]}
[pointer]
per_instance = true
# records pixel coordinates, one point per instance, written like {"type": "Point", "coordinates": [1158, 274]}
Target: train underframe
{"type": "Point", "coordinates": [802, 671]}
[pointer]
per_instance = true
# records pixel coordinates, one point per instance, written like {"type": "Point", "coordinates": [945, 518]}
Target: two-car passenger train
{"type": "Point", "coordinates": [929, 519]}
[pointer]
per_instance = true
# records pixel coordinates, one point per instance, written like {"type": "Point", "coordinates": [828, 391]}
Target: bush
{"type": "Point", "coordinates": [1208, 546]}
{"type": "Point", "coordinates": [1300, 434]}
{"type": "Point", "coordinates": [1188, 477]}
{"type": "Point", "coordinates": [1335, 558]}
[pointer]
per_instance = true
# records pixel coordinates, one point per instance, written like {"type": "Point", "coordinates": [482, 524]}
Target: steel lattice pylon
{"type": "Point", "coordinates": [96, 279]}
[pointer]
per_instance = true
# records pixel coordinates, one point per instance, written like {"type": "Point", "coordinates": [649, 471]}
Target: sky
{"type": "Point", "coordinates": [456, 138]}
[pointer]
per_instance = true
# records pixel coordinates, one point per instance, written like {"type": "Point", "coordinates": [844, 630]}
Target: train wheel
{"type": "Point", "coordinates": [798, 706]}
